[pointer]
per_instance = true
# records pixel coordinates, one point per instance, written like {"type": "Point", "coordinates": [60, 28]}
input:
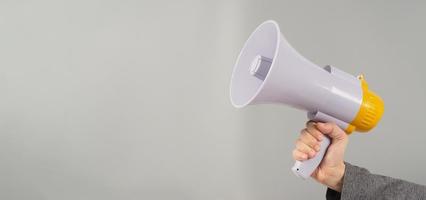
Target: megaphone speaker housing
{"type": "Point", "coordinates": [269, 70]}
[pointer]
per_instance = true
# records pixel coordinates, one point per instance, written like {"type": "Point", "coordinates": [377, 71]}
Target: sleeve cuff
{"type": "Point", "coordinates": [332, 194]}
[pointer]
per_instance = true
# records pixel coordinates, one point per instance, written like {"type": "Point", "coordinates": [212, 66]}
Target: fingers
{"type": "Point", "coordinates": [307, 138]}
{"type": "Point", "coordinates": [308, 143]}
{"type": "Point", "coordinates": [297, 155]}
{"type": "Point", "coordinates": [313, 130]}
{"type": "Point", "coordinates": [332, 130]}
{"type": "Point", "coordinates": [306, 146]}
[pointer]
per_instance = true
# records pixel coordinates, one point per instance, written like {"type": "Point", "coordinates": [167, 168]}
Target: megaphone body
{"type": "Point", "coordinates": [269, 70]}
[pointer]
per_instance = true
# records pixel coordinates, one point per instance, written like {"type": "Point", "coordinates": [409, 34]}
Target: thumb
{"type": "Point", "coordinates": [336, 150]}
{"type": "Point", "coordinates": [333, 131]}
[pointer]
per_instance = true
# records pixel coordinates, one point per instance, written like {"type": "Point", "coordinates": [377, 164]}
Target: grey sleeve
{"type": "Point", "coordinates": [359, 183]}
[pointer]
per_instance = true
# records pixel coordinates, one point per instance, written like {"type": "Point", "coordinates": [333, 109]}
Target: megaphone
{"type": "Point", "coordinates": [269, 70]}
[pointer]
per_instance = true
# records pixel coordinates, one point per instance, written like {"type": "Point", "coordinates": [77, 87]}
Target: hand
{"type": "Point", "coordinates": [332, 168]}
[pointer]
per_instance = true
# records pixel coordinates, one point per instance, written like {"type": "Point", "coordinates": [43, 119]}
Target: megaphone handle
{"type": "Point", "coordinates": [304, 169]}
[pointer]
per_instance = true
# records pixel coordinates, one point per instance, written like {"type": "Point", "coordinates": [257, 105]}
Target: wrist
{"type": "Point", "coordinates": [335, 180]}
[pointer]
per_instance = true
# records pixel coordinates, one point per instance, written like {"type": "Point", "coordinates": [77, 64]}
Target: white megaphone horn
{"type": "Point", "coordinates": [269, 70]}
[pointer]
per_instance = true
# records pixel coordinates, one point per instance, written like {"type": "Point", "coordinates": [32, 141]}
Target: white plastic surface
{"type": "Point", "coordinates": [322, 117]}
{"type": "Point", "coordinates": [342, 74]}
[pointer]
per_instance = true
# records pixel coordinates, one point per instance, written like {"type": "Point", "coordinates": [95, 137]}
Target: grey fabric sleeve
{"type": "Point", "coordinates": [359, 183]}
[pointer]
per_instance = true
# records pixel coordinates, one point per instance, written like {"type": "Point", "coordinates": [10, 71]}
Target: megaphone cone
{"type": "Point", "coordinates": [269, 70]}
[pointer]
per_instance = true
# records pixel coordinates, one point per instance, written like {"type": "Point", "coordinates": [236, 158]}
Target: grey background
{"type": "Point", "coordinates": [129, 99]}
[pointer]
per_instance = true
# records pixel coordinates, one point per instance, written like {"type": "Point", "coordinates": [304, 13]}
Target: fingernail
{"type": "Point", "coordinates": [317, 147]}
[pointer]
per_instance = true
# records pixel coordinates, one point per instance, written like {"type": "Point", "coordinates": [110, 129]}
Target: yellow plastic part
{"type": "Point", "coordinates": [350, 129]}
{"type": "Point", "coordinates": [370, 111]}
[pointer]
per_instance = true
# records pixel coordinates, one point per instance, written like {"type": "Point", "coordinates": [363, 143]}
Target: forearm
{"type": "Point", "coordinates": [359, 183]}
